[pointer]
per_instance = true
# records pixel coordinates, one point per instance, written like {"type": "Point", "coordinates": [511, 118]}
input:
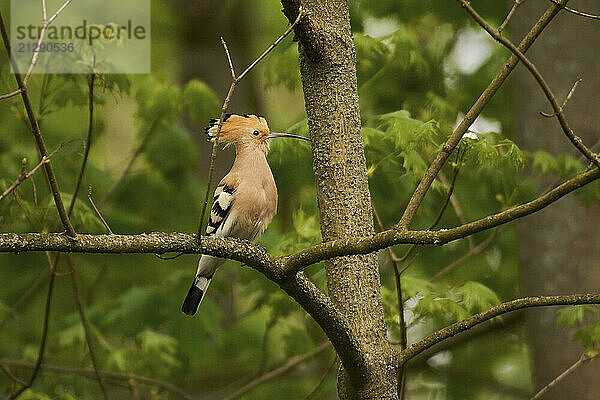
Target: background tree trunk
{"type": "Point", "coordinates": [328, 70]}
{"type": "Point", "coordinates": [561, 250]}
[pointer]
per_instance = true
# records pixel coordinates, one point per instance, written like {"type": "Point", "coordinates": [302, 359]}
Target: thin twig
{"type": "Point", "coordinates": [292, 363]}
{"type": "Point", "coordinates": [564, 104]}
{"type": "Point", "coordinates": [8, 373]}
{"type": "Point", "coordinates": [228, 58]}
{"type": "Point", "coordinates": [573, 11]}
{"type": "Point", "coordinates": [412, 248]}
{"type": "Point", "coordinates": [98, 211]}
{"type": "Point", "coordinates": [42, 348]}
{"type": "Point", "coordinates": [516, 4]}
{"type": "Point", "coordinates": [46, 24]}
{"type": "Point", "coordinates": [301, 14]}
{"type": "Point", "coordinates": [88, 140]}
{"type": "Point", "coordinates": [85, 324]}
{"type": "Point", "coordinates": [234, 81]}
{"type": "Point", "coordinates": [393, 258]}
{"type": "Point", "coordinates": [127, 169]}
{"type": "Point", "coordinates": [563, 375]}
{"type": "Point", "coordinates": [11, 94]}
{"type": "Point", "coordinates": [169, 257]}
{"type": "Point", "coordinates": [412, 260]}
{"type": "Point", "coordinates": [455, 205]}
{"type": "Point", "coordinates": [483, 246]}
{"type": "Point", "coordinates": [475, 110]}
{"type": "Point", "coordinates": [112, 375]}
{"type": "Point", "coordinates": [575, 140]}
{"type": "Point", "coordinates": [24, 176]}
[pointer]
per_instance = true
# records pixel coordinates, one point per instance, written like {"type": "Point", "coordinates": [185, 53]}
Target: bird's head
{"type": "Point", "coordinates": [247, 131]}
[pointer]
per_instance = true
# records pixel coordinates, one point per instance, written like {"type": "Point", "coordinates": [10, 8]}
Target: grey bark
{"type": "Point", "coordinates": [561, 246]}
{"type": "Point", "coordinates": [328, 70]}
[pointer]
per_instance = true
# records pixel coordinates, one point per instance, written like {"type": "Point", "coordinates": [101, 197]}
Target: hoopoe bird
{"type": "Point", "coordinates": [245, 200]}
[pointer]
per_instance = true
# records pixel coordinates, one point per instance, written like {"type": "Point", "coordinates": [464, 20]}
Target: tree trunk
{"type": "Point", "coordinates": [561, 248]}
{"type": "Point", "coordinates": [328, 70]}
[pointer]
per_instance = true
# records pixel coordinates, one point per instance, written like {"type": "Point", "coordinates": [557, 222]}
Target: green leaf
{"type": "Point", "coordinates": [589, 336]}
{"type": "Point", "coordinates": [570, 316]}
{"type": "Point", "coordinates": [477, 297]}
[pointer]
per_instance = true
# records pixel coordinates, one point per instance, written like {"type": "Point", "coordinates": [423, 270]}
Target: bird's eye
{"type": "Point", "coordinates": [255, 133]}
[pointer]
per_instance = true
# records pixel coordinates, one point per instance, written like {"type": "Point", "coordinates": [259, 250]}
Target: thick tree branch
{"type": "Point", "coordinates": [276, 268]}
{"type": "Point", "coordinates": [392, 237]}
{"type": "Point", "coordinates": [527, 302]}
{"type": "Point", "coordinates": [485, 97]}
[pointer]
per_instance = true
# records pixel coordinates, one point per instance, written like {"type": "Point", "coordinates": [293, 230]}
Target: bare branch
{"type": "Point", "coordinates": [279, 269]}
{"type": "Point", "coordinates": [301, 14]}
{"type": "Point", "coordinates": [46, 24]}
{"type": "Point", "coordinates": [564, 104]}
{"type": "Point", "coordinates": [11, 94]}
{"type": "Point", "coordinates": [42, 348]}
{"type": "Point", "coordinates": [88, 141]}
{"type": "Point", "coordinates": [343, 247]}
{"type": "Point", "coordinates": [573, 11]}
{"type": "Point", "coordinates": [292, 363]}
{"type": "Point", "coordinates": [563, 375]}
{"type": "Point", "coordinates": [228, 58]}
{"type": "Point", "coordinates": [24, 176]}
{"type": "Point", "coordinates": [518, 304]}
{"type": "Point", "coordinates": [98, 213]}
{"type": "Point", "coordinates": [85, 324]}
{"type": "Point", "coordinates": [437, 164]}
{"type": "Point", "coordinates": [16, 379]}
{"type": "Point", "coordinates": [483, 246]}
{"type": "Point", "coordinates": [576, 140]}
{"type": "Point", "coordinates": [393, 259]}
{"type": "Point", "coordinates": [455, 205]}
{"type": "Point", "coordinates": [516, 3]}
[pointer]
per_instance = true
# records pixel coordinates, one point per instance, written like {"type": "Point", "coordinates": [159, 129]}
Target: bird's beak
{"type": "Point", "coordinates": [280, 134]}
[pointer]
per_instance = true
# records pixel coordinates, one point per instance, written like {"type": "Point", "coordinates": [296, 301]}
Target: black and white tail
{"type": "Point", "coordinates": [195, 295]}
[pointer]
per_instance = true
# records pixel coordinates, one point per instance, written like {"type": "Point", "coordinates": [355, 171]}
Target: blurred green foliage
{"type": "Point", "coordinates": [411, 96]}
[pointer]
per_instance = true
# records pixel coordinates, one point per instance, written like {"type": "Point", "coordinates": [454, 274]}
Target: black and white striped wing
{"type": "Point", "coordinates": [220, 211]}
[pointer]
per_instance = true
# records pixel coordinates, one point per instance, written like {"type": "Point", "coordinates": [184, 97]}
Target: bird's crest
{"type": "Point", "coordinates": [234, 125]}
